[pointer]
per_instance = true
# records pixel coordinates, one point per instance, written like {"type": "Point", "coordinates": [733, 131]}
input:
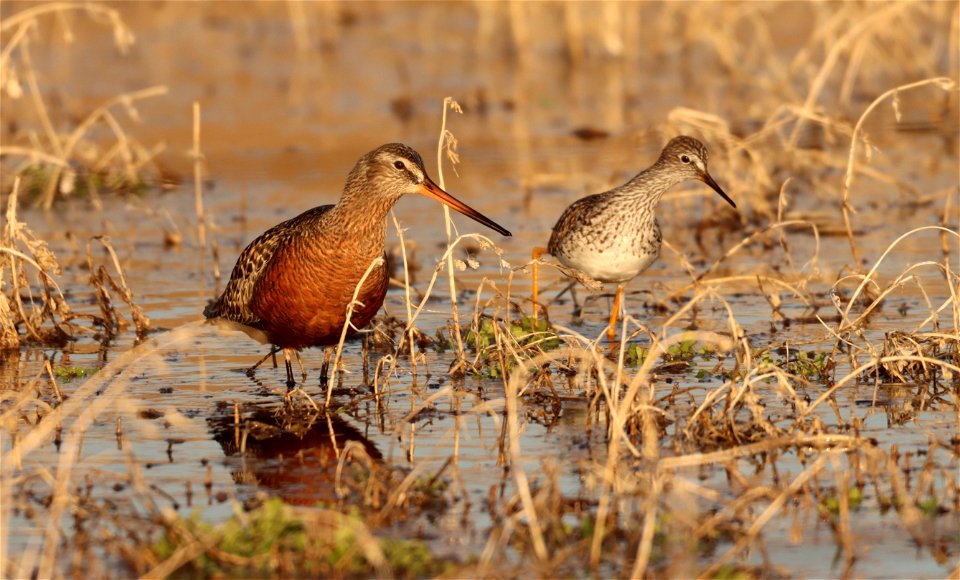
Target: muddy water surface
{"type": "Point", "coordinates": [281, 127]}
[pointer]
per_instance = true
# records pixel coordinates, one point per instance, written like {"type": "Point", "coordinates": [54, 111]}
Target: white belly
{"type": "Point", "coordinates": [610, 265]}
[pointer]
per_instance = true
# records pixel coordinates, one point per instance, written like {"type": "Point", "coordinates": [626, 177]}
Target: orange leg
{"type": "Point", "coordinates": [612, 327]}
{"type": "Point", "coordinates": [537, 252]}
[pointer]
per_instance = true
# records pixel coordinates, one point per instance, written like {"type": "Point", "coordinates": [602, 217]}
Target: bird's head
{"type": "Point", "coordinates": [394, 170]}
{"type": "Point", "coordinates": [688, 157]}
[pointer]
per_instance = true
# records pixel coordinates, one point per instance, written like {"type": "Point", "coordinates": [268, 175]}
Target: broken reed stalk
{"type": "Point", "coordinates": [59, 151]}
{"type": "Point", "coordinates": [185, 554]}
{"type": "Point", "coordinates": [944, 83]}
{"type": "Point", "coordinates": [482, 241]}
{"type": "Point", "coordinates": [52, 304]}
{"type": "Point", "coordinates": [198, 181]}
{"type": "Point", "coordinates": [85, 403]}
{"type": "Point", "coordinates": [856, 373]}
{"type": "Point", "coordinates": [448, 142]}
{"type": "Point", "coordinates": [9, 335]}
{"type": "Point", "coordinates": [499, 539]}
{"type": "Point", "coordinates": [838, 47]}
{"type": "Point", "coordinates": [140, 320]}
{"type": "Point", "coordinates": [645, 545]}
{"type": "Point", "coordinates": [53, 382]}
{"type": "Point", "coordinates": [406, 289]}
{"type": "Point", "coordinates": [520, 475]}
{"type": "Point", "coordinates": [40, 107]}
{"type": "Point", "coordinates": [622, 408]}
{"type": "Point", "coordinates": [868, 277]}
{"type": "Point", "coordinates": [586, 355]}
{"type": "Point", "coordinates": [822, 441]}
{"type": "Point", "coordinates": [103, 111]}
{"type": "Point", "coordinates": [767, 515]}
{"type": "Point", "coordinates": [759, 234]}
{"type": "Point", "coordinates": [348, 324]}
{"type": "Point", "coordinates": [102, 391]}
{"type": "Point", "coordinates": [123, 36]}
{"type": "Point", "coordinates": [842, 530]}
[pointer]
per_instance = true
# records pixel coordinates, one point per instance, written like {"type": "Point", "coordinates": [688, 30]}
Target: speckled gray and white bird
{"type": "Point", "coordinates": [614, 236]}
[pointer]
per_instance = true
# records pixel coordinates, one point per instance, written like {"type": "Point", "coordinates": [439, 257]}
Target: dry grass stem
{"type": "Point", "coordinates": [765, 392]}
{"type": "Point", "coordinates": [198, 163]}
{"type": "Point", "coordinates": [449, 143]}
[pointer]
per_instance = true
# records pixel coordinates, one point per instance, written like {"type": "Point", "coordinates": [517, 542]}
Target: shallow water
{"type": "Point", "coordinates": [282, 127]}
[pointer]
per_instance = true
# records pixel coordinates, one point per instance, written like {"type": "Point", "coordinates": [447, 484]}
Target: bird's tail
{"type": "Point", "coordinates": [212, 309]}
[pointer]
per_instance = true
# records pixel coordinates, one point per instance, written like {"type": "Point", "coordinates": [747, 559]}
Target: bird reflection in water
{"type": "Point", "coordinates": [293, 454]}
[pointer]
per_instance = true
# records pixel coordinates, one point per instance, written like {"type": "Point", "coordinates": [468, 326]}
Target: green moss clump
{"type": "Point", "coordinates": [275, 540]}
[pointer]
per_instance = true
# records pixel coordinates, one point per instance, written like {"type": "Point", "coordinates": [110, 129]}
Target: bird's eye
{"type": "Point", "coordinates": [399, 165]}
{"type": "Point", "coordinates": [685, 158]}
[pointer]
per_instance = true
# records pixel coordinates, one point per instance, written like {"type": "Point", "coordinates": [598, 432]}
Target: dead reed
{"type": "Point", "coordinates": [769, 394]}
{"type": "Point", "coordinates": [34, 307]}
{"type": "Point", "coordinates": [52, 164]}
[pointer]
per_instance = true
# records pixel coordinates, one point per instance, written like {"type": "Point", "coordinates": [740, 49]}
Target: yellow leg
{"type": "Point", "coordinates": [612, 327]}
{"type": "Point", "coordinates": [537, 252]}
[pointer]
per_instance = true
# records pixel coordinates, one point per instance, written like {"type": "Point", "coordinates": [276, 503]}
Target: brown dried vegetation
{"type": "Point", "coordinates": [33, 306]}
{"type": "Point", "coordinates": [702, 443]}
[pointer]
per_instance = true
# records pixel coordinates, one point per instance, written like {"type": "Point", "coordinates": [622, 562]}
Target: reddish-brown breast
{"type": "Point", "coordinates": [302, 297]}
